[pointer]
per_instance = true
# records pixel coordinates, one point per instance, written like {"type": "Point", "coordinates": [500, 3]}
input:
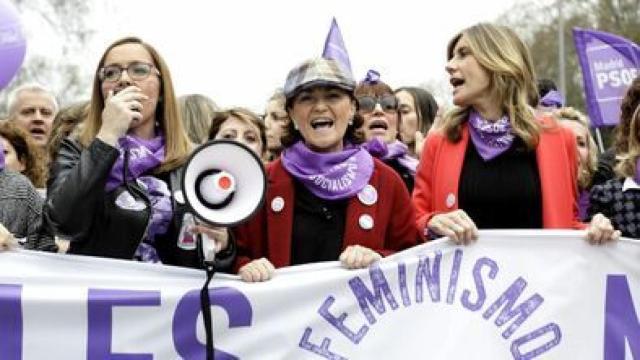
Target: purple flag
{"type": "Point", "coordinates": [609, 64]}
{"type": "Point", "coordinates": [334, 47]}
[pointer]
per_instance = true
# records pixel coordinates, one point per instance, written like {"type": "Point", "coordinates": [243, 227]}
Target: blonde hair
{"type": "Point", "coordinates": [512, 79]}
{"type": "Point", "coordinates": [197, 111]}
{"type": "Point", "coordinates": [177, 144]}
{"type": "Point", "coordinates": [586, 171]}
{"type": "Point", "coordinates": [626, 166]}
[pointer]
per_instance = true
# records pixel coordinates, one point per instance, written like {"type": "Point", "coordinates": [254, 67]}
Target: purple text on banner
{"type": "Point", "coordinates": [621, 320]}
{"type": "Point", "coordinates": [11, 321]}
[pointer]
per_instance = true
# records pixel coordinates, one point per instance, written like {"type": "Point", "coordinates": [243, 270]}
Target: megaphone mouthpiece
{"type": "Point", "coordinates": [215, 188]}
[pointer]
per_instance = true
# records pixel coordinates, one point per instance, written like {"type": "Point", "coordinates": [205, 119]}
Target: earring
{"type": "Point", "coordinates": [295, 125]}
{"type": "Point", "coordinates": [350, 122]}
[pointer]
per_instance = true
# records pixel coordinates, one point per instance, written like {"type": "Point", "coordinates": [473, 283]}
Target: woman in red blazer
{"type": "Point", "coordinates": [327, 198]}
{"type": "Point", "coordinates": [492, 164]}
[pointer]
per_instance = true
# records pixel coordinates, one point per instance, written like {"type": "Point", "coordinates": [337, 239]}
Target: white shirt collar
{"type": "Point", "coordinates": [630, 184]}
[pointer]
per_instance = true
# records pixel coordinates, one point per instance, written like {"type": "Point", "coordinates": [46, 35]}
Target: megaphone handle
{"type": "Point", "coordinates": [205, 307]}
{"type": "Point", "coordinates": [208, 247]}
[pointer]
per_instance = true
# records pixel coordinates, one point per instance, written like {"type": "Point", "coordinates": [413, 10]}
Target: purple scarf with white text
{"type": "Point", "coordinates": [330, 176]}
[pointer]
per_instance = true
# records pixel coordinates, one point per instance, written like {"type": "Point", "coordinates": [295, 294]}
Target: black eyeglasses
{"type": "Point", "coordinates": [388, 103]}
{"type": "Point", "coordinates": [136, 70]}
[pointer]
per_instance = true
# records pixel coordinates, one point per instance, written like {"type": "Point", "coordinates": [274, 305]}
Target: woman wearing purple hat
{"type": "Point", "coordinates": [327, 198]}
{"type": "Point", "coordinates": [493, 164]}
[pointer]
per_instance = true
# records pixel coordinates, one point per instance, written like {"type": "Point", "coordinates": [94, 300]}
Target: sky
{"type": "Point", "coordinates": [238, 52]}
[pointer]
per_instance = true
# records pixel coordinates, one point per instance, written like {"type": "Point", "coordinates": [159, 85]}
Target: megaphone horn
{"type": "Point", "coordinates": [223, 182]}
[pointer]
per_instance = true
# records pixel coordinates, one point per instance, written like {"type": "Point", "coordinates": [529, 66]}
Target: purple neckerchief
{"type": "Point", "coordinates": [1, 156]}
{"type": "Point", "coordinates": [491, 138]}
{"type": "Point", "coordinates": [330, 176]}
{"type": "Point", "coordinates": [395, 150]}
{"type": "Point", "coordinates": [552, 99]}
{"type": "Point", "coordinates": [144, 156]}
{"type": "Point", "coordinates": [583, 204]}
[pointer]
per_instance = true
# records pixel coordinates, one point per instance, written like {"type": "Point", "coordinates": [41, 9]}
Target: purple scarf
{"type": "Point", "coordinates": [552, 99]}
{"type": "Point", "coordinates": [583, 204]}
{"type": "Point", "coordinates": [491, 138]}
{"type": "Point", "coordinates": [396, 150]}
{"type": "Point", "coordinates": [1, 156]}
{"type": "Point", "coordinates": [329, 176]}
{"type": "Point", "coordinates": [144, 156]}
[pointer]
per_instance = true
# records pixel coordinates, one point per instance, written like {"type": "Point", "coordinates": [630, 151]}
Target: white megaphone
{"type": "Point", "coordinates": [223, 184]}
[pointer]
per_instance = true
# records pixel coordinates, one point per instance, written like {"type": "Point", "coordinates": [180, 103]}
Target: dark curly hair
{"type": "Point", "coordinates": [628, 106]}
{"type": "Point", "coordinates": [27, 152]}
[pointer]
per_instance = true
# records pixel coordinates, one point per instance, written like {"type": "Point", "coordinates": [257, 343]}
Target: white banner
{"type": "Point", "coordinates": [512, 295]}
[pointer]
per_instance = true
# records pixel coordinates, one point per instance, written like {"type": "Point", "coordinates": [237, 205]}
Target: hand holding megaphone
{"type": "Point", "coordinates": [214, 239]}
{"type": "Point", "coordinates": [223, 184]}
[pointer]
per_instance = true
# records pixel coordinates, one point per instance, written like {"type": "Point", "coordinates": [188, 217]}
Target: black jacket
{"type": "Point", "coordinates": [79, 208]}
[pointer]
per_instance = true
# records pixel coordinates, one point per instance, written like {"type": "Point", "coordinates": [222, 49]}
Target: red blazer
{"type": "Point", "coordinates": [438, 175]}
{"type": "Point", "coordinates": [268, 234]}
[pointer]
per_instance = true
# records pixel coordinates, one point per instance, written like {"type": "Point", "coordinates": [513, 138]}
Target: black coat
{"type": "Point", "coordinates": [79, 208]}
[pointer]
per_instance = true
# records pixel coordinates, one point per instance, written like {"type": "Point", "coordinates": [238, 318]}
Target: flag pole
{"type": "Point", "coordinates": [561, 59]}
{"type": "Point", "coordinates": [599, 140]}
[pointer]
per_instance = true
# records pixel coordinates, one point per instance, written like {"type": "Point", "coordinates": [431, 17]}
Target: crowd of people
{"type": "Point", "coordinates": [356, 170]}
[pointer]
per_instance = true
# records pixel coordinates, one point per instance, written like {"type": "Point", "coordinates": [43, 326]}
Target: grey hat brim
{"type": "Point", "coordinates": [320, 83]}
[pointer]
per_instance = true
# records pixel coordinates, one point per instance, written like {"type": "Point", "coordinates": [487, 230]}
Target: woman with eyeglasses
{"type": "Point", "coordinates": [378, 107]}
{"type": "Point", "coordinates": [493, 164]}
{"type": "Point", "coordinates": [115, 189]}
{"type": "Point", "coordinates": [328, 199]}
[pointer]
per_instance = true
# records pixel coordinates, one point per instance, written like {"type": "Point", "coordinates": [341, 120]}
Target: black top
{"type": "Point", "coordinates": [318, 227]}
{"type": "Point", "coordinates": [604, 171]}
{"type": "Point", "coordinates": [623, 208]}
{"type": "Point", "coordinates": [503, 193]}
{"type": "Point", "coordinates": [405, 174]}
{"type": "Point", "coordinates": [99, 224]}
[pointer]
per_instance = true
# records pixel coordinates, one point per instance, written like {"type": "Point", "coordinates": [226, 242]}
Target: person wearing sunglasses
{"type": "Point", "coordinates": [493, 164]}
{"type": "Point", "coordinates": [328, 198]}
{"type": "Point", "coordinates": [378, 108]}
{"type": "Point", "coordinates": [114, 189]}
